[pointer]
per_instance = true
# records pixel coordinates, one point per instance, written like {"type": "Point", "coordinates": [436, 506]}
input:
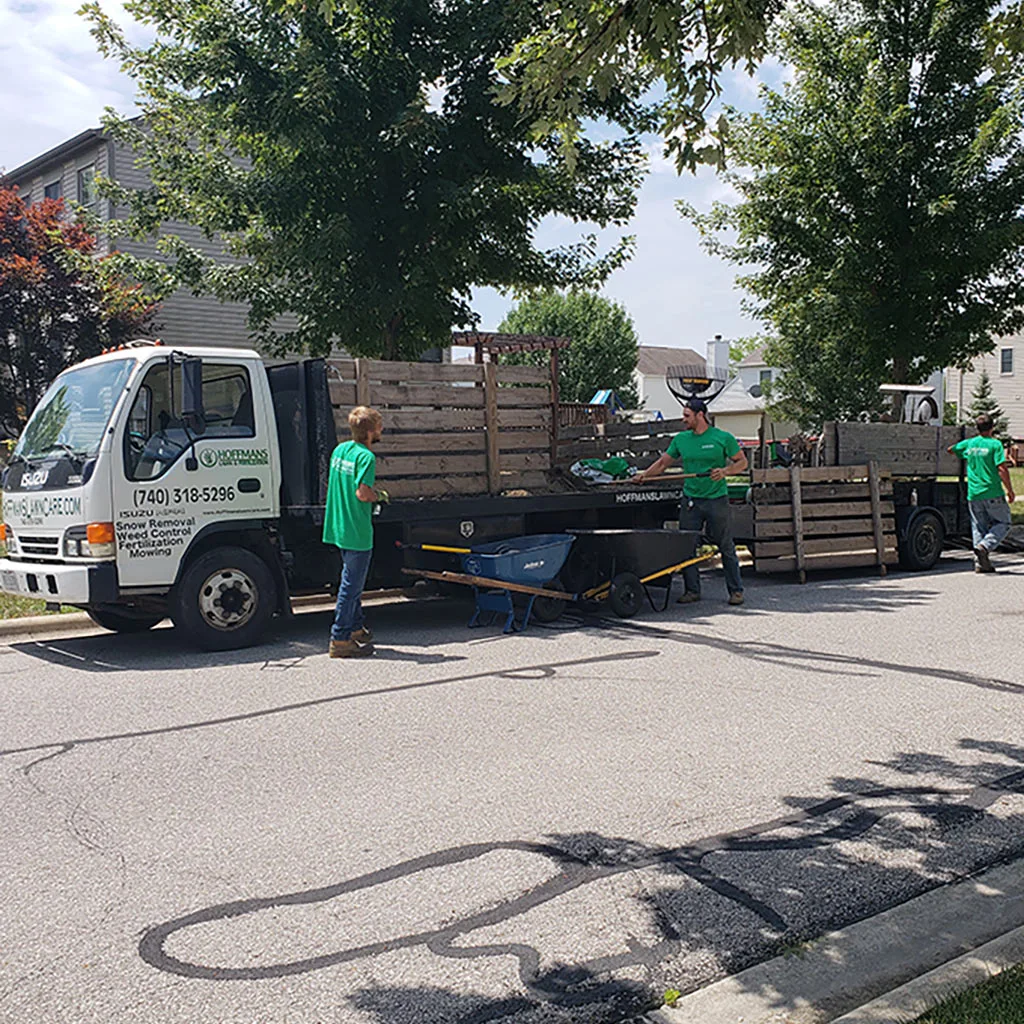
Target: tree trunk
{"type": "Point", "coordinates": [392, 332]}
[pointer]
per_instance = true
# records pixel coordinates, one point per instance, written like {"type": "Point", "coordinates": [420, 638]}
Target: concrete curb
{"type": "Point", "coordinates": [31, 624]}
{"type": "Point", "coordinates": [848, 971]}
{"type": "Point", "coordinates": [909, 1001]}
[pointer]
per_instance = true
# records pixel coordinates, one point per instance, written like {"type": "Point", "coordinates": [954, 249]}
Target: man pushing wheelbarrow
{"type": "Point", "coordinates": [708, 456]}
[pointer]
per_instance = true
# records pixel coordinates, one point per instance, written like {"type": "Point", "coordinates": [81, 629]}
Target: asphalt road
{"type": "Point", "coordinates": [554, 826]}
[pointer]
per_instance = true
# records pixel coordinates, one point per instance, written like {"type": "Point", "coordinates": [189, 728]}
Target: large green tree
{"type": "Point", "coordinates": [60, 300]}
{"type": "Point", "coordinates": [603, 353]}
{"type": "Point", "coordinates": [881, 198]}
{"type": "Point", "coordinates": [358, 165]}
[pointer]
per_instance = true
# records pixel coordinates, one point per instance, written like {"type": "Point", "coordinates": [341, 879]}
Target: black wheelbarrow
{"type": "Point", "coordinates": [617, 565]}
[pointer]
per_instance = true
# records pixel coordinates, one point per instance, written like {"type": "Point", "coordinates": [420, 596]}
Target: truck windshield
{"type": "Point", "coordinates": [75, 411]}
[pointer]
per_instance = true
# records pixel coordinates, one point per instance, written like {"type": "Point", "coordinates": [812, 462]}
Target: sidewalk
{"type": "Point", "coordinates": [886, 969]}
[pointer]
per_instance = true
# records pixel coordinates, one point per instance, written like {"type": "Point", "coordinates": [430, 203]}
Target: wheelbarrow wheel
{"type": "Point", "coordinates": [626, 595]}
{"type": "Point", "coordinates": [548, 609]}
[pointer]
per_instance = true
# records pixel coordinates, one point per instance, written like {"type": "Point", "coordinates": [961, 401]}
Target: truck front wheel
{"type": "Point", "coordinates": [225, 599]}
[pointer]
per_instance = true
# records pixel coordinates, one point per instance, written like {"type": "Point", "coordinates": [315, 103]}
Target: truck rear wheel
{"type": "Point", "coordinates": [123, 622]}
{"type": "Point", "coordinates": [922, 545]}
{"type": "Point", "coordinates": [225, 599]}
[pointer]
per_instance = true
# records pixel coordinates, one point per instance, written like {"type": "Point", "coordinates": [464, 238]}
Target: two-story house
{"type": "Point", "coordinates": [69, 171]}
{"type": "Point", "coordinates": [1005, 368]}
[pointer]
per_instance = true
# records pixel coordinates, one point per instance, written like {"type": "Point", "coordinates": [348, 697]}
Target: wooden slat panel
{"type": "Point", "coordinates": [491, 418]}
{"type": "Point", "coordinates": [525, 460]}
{"type": "Point", "coordinates": [821, 562]}
{"type": "Point", "coordinates": [405, 373]}
{"type": "Point", "coordinates": [465, 441]}
{"type": "Point", "coordinates": [652, 428]}
{"type": "Point", "coordinates": [436, 486]}
{"type": "Point", "coordinates": [636, 449]}
{"type": "Point", "coordinates": [342, 393]}
{"type": "Point", "coordinates": [426, 420]}
{"type": "Point", "coordinates": [344, 368]}
{"type": "Point", "coordinates": [822, 510]}
{"type": "Point", "coordinates": [778, 494]}
{"type": "Point", "coordinates": [520, 440]}
{"type": "Point", "coordinates": [539, 418]}
{"type": "Point", "coordinates": [529, 480]}
{"type": "Point", "coordinates": [392, 466]}
{"type": "Point", "coordinates": [820, 527]}
{"type": "Point", "coordinates": [447, 395]}
{"type": "Point", "coordinates": [818, 474]}
{"type": "Point", "coordinates": [825, 545]}
{"type": "Point", "coordinates": [906, 449]}
{"type": "Point", "coordinates": [524, 375]}
{"type": "Point", "coordinates": [524, 398]}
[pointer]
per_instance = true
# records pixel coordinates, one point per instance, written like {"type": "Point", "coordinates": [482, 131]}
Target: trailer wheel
{"type": "Point", "coordinates": [626, 595]}
{"type": "Point", "coordinates": [921, 546]}
{"type": "Point", "coordinates": [548, 609]}
{"type": "Point", "coordinates": [225, 599]}
{"type": "Point", "coordinates": [123, 622]}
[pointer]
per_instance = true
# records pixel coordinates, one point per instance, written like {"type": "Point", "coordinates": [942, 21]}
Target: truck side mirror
{"type": "Point", "coordinates": [192, 411]}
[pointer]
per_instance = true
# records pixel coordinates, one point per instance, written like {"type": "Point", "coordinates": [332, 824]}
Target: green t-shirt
{"type": "Point", "coordinates": [701, 452]}
{"type": "Point", "coordinates": [348, 522]}
{"type": "Point", "coordinates": [982, 455]}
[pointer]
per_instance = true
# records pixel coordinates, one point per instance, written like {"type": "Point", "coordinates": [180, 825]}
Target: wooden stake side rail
{"type": "Point", "coordinates": [797, 528]}
{"type": "Point", "coordinates": [453, 429]}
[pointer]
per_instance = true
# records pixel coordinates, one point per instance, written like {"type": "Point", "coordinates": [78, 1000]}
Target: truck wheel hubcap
{"type": "Point", "coordinates": [228, 599]}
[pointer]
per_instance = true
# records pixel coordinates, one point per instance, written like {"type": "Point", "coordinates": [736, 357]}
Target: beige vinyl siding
{"type": "Point", "coordinates": [1007, 388]}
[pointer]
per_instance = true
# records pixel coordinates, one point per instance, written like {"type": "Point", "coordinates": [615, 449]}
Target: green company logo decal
{"type": "Point", "coordinates": [211, 457]}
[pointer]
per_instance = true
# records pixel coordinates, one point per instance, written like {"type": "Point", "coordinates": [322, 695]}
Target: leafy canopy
{"type": "Point", "coordinates": [880, 210]}
{"type": "Point", "coordinates": [603, 353]}
{"type": "Point", "coordinates": [59, 301]}
{"type": "Point", "coordinates": [585, 47]}
{"type": "Point", "coordinates": [358, 166]}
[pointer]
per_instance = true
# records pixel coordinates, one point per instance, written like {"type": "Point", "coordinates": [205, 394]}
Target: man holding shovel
{"type": "Point", "coordinates": [708, 455]}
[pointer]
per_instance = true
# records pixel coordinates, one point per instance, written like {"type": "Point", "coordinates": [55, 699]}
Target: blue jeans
{"type": "Point", "coordinates": [990, 521]}
{"type": "Point", "coordinates": [348, 613]}
{"type": "Point", "coordinates": [712, 516]}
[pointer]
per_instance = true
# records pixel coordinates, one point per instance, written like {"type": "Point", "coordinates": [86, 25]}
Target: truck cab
{"type": "Point", "coordinates": [147, 484]}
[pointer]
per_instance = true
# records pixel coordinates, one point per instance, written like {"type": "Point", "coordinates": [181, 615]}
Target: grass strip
{"type": "Point", "coordinates": [1000, 1000]}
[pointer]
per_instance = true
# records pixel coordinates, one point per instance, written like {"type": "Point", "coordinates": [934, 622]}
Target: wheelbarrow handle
{"type": "Point", "coordinates": [434, 547]}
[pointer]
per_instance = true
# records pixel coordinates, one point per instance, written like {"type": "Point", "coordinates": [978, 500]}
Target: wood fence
{"type": "Point", "coordinates": [905, 449]}
{"type": "Point", "coordinates": [451, 429]}
{"type": "Point", "coordinates": [641, 443]}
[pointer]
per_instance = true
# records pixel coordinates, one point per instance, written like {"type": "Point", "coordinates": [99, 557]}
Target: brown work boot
{"type": "Point", "coordinates": [349, 649]}
{"type": "Point", "coordinates": [688, 598]}
{"type": "Point", "coordinates": [363, 636]}
{"type": "Point", "coordinates": [981, 553]}
{"type": "Point", "coordinates": [736, 597]}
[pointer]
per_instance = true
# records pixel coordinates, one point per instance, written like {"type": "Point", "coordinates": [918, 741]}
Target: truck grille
{"type": "Point", "coordinates": [44, 547]}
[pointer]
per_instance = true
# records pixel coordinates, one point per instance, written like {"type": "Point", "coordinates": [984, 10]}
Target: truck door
{"type": "Point", "coordinates": [176, 481]}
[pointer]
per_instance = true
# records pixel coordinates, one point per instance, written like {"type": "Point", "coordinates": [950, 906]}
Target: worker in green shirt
{"type": "Point", "coordinates": [705, 449]}
{"type": "Point", "coordinates": [987, 478]}
{"type": "Point", "coordinates": [348, 524]}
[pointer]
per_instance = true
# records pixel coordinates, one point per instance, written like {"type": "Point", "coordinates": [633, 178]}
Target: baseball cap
{"type": "Point", "coordinates": [697, 405]}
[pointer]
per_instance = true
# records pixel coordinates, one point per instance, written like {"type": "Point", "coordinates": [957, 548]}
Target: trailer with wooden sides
{"type": "Point", "coordinates": [881, 493]}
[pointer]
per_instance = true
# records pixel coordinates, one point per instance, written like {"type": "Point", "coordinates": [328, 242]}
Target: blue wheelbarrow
{"type": "Point", "coordinates": [497, 571]}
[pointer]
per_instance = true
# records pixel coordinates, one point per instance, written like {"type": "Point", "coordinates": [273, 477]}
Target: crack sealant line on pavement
{"type": "Point", "coordinates": [849, 969]}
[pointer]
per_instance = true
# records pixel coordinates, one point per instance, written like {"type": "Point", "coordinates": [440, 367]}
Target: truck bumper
{"type": "Point", "coordinates": [62, 584]}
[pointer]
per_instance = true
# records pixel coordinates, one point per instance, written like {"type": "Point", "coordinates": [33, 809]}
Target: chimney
{"type": "Point", "coordinates": [718, 357]}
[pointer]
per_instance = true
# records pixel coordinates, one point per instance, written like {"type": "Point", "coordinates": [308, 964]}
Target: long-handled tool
{"type": "Point", "coordinates": [401, 545]}
{"type": "Point", "coordinates": [660, 476]}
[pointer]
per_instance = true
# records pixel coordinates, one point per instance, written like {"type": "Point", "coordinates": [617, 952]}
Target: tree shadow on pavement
{"type": "Point", "coordinates": [612, 922]}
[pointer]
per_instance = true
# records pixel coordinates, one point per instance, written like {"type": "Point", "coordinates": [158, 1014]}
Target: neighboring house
{"type": "Point", "coordinates": [653, 362]}
{"type": "Point", "coordinates": [741, 404]}
{"type": "Point", "coordinates": [1005, 367]}
{"type": "Point", "coordinates": [70, 170]}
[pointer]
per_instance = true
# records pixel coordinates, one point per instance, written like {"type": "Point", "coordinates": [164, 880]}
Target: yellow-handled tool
{"type": "Point", "coordinates": [434, 547]}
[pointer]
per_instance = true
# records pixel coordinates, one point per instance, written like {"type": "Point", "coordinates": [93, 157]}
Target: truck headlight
{"type": "Point", "coordinates": [93, 541]}
{"type": "Point", "coordinates": [12, 542]}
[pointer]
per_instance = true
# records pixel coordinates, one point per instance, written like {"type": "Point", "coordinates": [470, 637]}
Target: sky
{"type": "Point", "coordinates": [56, 85]}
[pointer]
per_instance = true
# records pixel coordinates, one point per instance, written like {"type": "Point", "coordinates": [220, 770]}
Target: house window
{"type": "Point", "coordinates": [1006, 360]}
{"type": "Point", "coordinates": [765, 377]}
{"type": "Point", "coordinates": [87, 186]}
{"type": "Point", "coordinates": [53, 190]}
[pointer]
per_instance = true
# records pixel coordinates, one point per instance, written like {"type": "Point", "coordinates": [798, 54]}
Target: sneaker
{"type": "Point", "coordinates": [349, 649]}
{"type": "Point", "coordinates": [981, 553]}
{"type": "Point", "coordinates": [363, 636]}
{"type": "Point", "coordinates": [688, 598]}
{"type": "Point", "coordinates": [983, 570]}
{"type": "Point", "coordinates": [736, 597]}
